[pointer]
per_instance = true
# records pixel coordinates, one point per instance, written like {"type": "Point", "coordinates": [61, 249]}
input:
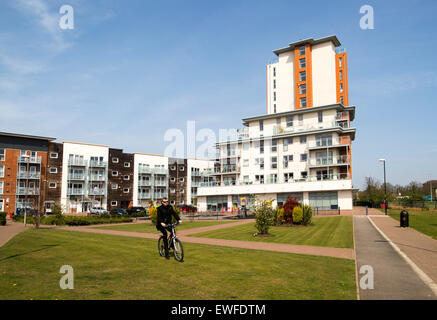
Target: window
{"type": "Point", "coordinates": [261, 146]}
{"type": "Point", "coordinates": [278, 121]}
{"type": "Point", "coordinates": [274, 108]}
{"type": "Point", "coordinates": [286, 142]}
{"type": "Point", "coordinates": [127, 164]}
{"type": "Point", "coordinates": [341, 87]}
{"type": "Point", "coordinates": [114, 186]}
{"type": "Point", "coordinates": [304, 175]}
{"type": "Point", "coordinates": [303, 89]}
{"type": "Point", "coordinates": [302, 50]}
{"type": "Point", "coordinates": [341, 75]}
{"type": "Point", "coordinates": [114, 173]}
{"type": "Point", "coordinates": [115, 160]}
{"type": "Point", "coordinates": [341, 100]}
{"type": "Point", "coordinates": [126, 190]}
{"type": "Point", "coordinates": [302, 63]}
{"type": "Point", "coordinates": [181, 179]}
{"type": "Point", "coordinates": [2, 154]}
{"type": "Point", "coordinates": [287, 159]}
{"type": "Point", "coordinates": [53, 170]}
{"type": "Point", "coordinates": [274, 162]}
{"type": "Point", "coordinates": [303, 157]}
{"type": "Point", "coordinates": [289, 121]}
{"type": "Point", "coordinates": [173, 168]}
{"type": "Point", "coordinates": [303, 139]}
{"type": "Point", "coordinates": [259, 179]}
{"type": "Point", "coordinates": [245, 162]}
{"type": "Point", "coordinates": [320, 116]}
{"type": "Point", "coordinates": [274, 84]}
{"type": "Point", "coordinates": [302, 76]}
{"type": "Point", "coordinates": [113, 203]}
{"type": "Point", "coordinates": [340, 62]}
{"type": "Point", "coordinates": [261, 125]}
{"type": "Point", "coordinates": [172, 202]}
{"type": "Point", "coordinates": [53, 155]}
{"type": "Point", "coordinates": [172, 190]}
{"type": "Point", "coordinates": [260, 162]}
{"type": "Point", "coordinates": [1, 187]}
{"type": "Point", "coordinates": [274, 71]}
{"type": "Point", "coordinates": [52, 185]}
{"type": "Point", "coordinates": [172, 179]}
{"type": "Point", "coordinates": [303, 102]}
{"type": "Point", "coordinates": [288, 177]}
{"type": "Point", "coordinates": [181, 168]}
{"type": "Point", "coordinates": [274, 95]}
{"type": "Point", "coordinates": [2, 171]}
{"type": "Point", "coordinates": [126, 178]}
{"type": "Point", "coordinates": [274, 145]}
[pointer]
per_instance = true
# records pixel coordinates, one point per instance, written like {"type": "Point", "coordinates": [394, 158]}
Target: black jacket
{"type": "Point", "coordinates": [165, 213]}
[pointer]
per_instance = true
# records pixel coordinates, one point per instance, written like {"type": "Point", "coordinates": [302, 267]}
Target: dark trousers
{"type": "Point", "coordinates": [164, 233]}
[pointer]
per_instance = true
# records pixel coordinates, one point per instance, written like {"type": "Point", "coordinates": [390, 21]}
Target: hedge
{"type": "Point", "coordinates": [76, 221]}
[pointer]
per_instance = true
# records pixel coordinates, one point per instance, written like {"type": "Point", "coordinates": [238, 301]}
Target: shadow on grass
{"type": "Point", "coordinates": [45, 247]}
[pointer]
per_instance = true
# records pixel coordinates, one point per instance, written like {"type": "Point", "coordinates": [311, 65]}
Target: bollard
{"type": "Point", "coordinates": [338, 210]}
{"type": "Point", "coordinates": [367, 210]}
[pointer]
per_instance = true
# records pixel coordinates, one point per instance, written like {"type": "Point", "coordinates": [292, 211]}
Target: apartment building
{"type": "Point", "coordinates": [23, 171]}
{"type": "Point", "coordinates": [120, 179]}
{"type": "Point", "coordinates": [177, 181]}
{"type": "Point", "coordinates": [84, 176]}
{"type": "Point", "coordinates": [151, 176]}
{"type": "Point", "coordinates": [197, 173]}
{"type": "Point", "coordinates": [54, 175]}
{"type": "Point", "coordinates": [301, 147]}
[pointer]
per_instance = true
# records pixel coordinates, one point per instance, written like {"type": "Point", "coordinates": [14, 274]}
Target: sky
{"type": "Point", "coordinates": [131, 70]}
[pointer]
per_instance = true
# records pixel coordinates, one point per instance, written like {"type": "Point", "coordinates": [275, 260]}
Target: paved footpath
{"type": "Point", "coordinates": [394, 278]}
{"type": "Point", "coordinates": [277, 247]}
{"type": "Point", "coordinates": [10, 230]}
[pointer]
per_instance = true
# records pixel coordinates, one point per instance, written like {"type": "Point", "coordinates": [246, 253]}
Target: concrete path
{"type": "Point", "coordinates": [10, 230]}
{"type": "Point", "coordinates": [361, 211]}
{"type": "Point", "coordinates": [277, 247]}
{"type": "Point", "coordinates": [420, 248]}
{"type": "Point", "coordinates": [394, 278]}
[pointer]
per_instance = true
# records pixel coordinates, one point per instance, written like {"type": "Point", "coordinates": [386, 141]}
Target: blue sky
{"type": "Point", "coordinates": [130, 70]}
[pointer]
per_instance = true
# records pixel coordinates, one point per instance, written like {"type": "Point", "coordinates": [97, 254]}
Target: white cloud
{"type": "Point", "coordinates": [21, 66]}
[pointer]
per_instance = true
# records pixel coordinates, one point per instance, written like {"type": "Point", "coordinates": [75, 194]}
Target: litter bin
{"type": "Point", "coordinates": [404, 219]}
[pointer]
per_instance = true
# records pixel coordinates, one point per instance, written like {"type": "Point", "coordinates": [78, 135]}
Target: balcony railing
{"type": "Point", "coordinates": [329, 142]}
{"type": "Point", "coordinates": [160, 183]}
{"type": "Point", "coordinates": [27, 191]}
{"type": "Point", "coordinates": [144, 195]}
{"type": "Point", "coordinates": [98, 164]}
{"type": "Point", "coordinates": [95, 177]}
{"type": "Point", "coordinates": [144, 183]}
{"type": "Point", "coordinates": [77, 162]}
{"type": "Point", "coordinates": [76, 176]}
{"type": "Point", "coordinates": [280, 180]}
{"type": "Point", "coordinates": [75, 192]}
{"type": "Point", "coordinates": [195, 173]}
{"type": "Point", "coordinates": [96, 192]}
{"type": "Point", "coordinates": [35, 160]}
{"type": "Point", "coordinates": [329, 161]}
{"type": "Point", "coordinates": [28, 175]}
{"type": "Point", "coordinates": [309, 127]}
{"type": "Point", "coordinates": [195, 183]}
{"type": "Point", "coordinates": [344, 115]}
{"type": "Point", "coordinates": [228, 154]}
{"type": "Point", "coordinates": [160, 171]}
{"type": "Point", "coordinates": [160, 195]}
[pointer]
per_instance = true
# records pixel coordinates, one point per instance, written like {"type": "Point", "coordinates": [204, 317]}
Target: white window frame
{"type": "Point", "coordinates": [1, 187]}
{"type": "Point", "coordinates": [53, 185]}
{"type": "Point", "coordinates": [172, 179]}
{"type": "Point", "coordinates": [303, 89]}
{"type": "Point", "coordinates": [303, 102]}
{"type": "Point", "coordinates": [124, 190]}
{"type": "Point", "coordinates": [2, 172]}
{"type": "Point", "coordinates": [53, 155]}
{"type": "Point", "coordinates": [302, 76]}
{"type": "Point", "coordinates": [115, 160]}
{"type": "Point", "coordinates": [128, 178]}
{"type": "Point", "coordinates": [181, 179]}
{"type": "Point", "coordinates": [51, 168]}
{"type": "Point", "coordinates": [114, 203]}
{"type": "Point", "coordinates": [3, 155]}
{"type": "Point", "coordinates": [114, 186]}
{"type": "Point", "coordinates": [127, 164]}
{"type": "Point", "coordinates": [304, 64]}
{"type": "Point", "coordinates": [302, 50]}
{"type": "Point", "coordinates": [182, 168]}
{"type": "Point", "coordinates": [116, 173]}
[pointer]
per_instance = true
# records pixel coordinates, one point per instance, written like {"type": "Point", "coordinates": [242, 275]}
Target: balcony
{"type": "Point", "coordinates": [96, 191]}
{"type": "Point", "coordinates": [144, 195]}
{"type": "Point", "coordinates": [34, 160]}
{"type": "Point", "coordinates": [98, 164]}
{"type": "Point", "coordinates": [329, 143]}
{"type": "Point", "coordinates": [229, 154]}
{"type": "Point", "coordinates": [75, 192]}
{"type": "Point", "coordinates": [329, 161]}
{"type": "Point", "coordinates": [163, 171]}
{"type": "Point", "coordinates": [77, 162]}
{"type": "Point", "coordinates": [95, 177]}
{"type": "Point", "coordinates": [28, 175]}
{"type": "Point", "coordinates": [232, 168]}
{"type": "Point", "coordinates": [195, 173]}
{"type": "Point", "coordinates": [144, 183]}
{"type": "Point", "coordinates": [195, 184]}
{"type": "Point", "coordinates": [160, 183]}
{"type": "Point", "coordinates": [144, 170]}
{"type": "Point", "coordinates": [27, 191]}
{"type": "Point", "coordinates": [300, 127]}
{"type": "Point", "coordinates": [76, 176]}
{"type": "Point", "coordinates": [342, 116]}
{"type": "Point", "coordinates": [160, 195]}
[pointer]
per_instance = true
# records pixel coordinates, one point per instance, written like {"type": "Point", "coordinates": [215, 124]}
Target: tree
{"type": "Point", "coordinates": [288, 207]}
{"type": "Point", "coordinates": [264, 216]}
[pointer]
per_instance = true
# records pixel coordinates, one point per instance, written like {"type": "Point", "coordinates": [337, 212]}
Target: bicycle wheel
{"type": "Point", "coordinates": [178, 250]}
{"type": "Point", "coordinates": [161, 247]}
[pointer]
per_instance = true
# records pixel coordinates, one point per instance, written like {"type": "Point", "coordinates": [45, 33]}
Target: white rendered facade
{"type": "Point", "coordinates": [196, 169]}
{"type": "Point", "coordinates": [150, 178]}
{"type": "Point", "coordinates": [84, 176]}
{"type": "Point", "coordinates": [302, 146]}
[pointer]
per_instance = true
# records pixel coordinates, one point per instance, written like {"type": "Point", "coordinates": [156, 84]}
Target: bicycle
{"type": "Point", "coordinates": [173, 243]}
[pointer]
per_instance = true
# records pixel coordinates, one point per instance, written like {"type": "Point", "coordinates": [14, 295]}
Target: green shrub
{"type": "Point", "coordinates": [297, 215]}
{"type": "Point", "coordinates": [307, 214]}
{"type": "Point", "coordinates": [2, 218]}
{"type": "Point", "coordinates": [288, 207]}
{"type": "Point", "coordinates": [264, 216]}
{"type": "Point", "coordinates": [58, 218]}
{"type": "Point", "coordinates": [279, 219]}
{"type": "Point", "coordinates": [153, 215]}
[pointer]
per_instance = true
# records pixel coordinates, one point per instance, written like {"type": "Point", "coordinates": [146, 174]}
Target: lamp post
{"type": "Point", "coordinates": [385, 188]}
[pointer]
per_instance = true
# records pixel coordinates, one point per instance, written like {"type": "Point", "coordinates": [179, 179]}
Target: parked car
{"type": "Point", "coordinates": [98, 210]}
{"type": "Point", "coordinates": [187, 208]}
{"type": "Point", "coordinates": [133, 210]}
{"type": "Point", "coordinates": [119, 211]}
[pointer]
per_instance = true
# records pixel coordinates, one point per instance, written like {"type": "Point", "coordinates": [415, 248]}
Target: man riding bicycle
{"type": "Point", "coordinates": [165, 214]}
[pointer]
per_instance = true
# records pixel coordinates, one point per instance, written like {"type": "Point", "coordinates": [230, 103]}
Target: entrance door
{"type": "Point", "coordinates": [2, 205]}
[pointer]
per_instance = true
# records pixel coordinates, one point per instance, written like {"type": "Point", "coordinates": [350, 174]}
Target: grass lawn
{"type": "Point", "coordinates": [423, 221]}
{"type": "Point", "coordinates": [336, 232]}
{"type": "Point", "coordinates": [148, 227]}
{"type": "Point", "coordinates": [113, 267]}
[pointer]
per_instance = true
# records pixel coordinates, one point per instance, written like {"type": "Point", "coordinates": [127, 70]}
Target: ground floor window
{"type": "Point", "coordinates": [282, 197]}
{"type": "Point", "coordinates": [217, 203]}
{"type": "Point", "coordinates": [324, 200]}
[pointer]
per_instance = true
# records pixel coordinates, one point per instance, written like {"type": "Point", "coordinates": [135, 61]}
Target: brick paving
{"type": "Point", "coordinates": [420, 248]}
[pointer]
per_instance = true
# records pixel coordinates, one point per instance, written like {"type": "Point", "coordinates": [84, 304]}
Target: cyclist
{"type": "Point", "coordinates": [165, 214]}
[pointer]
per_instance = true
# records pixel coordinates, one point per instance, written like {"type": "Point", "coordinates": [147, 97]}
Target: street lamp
{"type": "Point", "coordinates": [385, 188]}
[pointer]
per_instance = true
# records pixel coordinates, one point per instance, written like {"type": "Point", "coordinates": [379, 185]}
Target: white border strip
{"type": "Point", "coordinates": [355, 260]}
{"type": "Point", "coordinates": [422, 275]}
